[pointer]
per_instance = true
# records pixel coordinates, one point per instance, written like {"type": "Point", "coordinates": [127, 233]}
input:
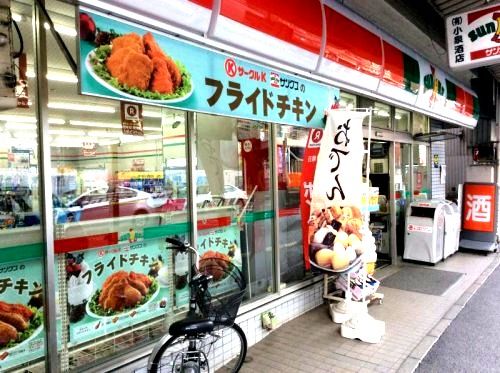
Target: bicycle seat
{"type": "Point", "coordinates": [191, 326]}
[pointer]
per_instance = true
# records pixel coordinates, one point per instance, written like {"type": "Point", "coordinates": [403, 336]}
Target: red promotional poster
{"type": "Point", "coordinates": [479, 204]}
{"type": "Point", "coordinates": [306, 185]}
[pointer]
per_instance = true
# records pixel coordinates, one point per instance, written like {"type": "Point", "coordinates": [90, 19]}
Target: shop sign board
{"type": "Point", "coordinates": [474, 37]}
{"type": "Point", "coordinates": [190, 77]}
{"type": "Point", "coordinates": [479, 206]}
{"type": "Point", "coordinates": [21, 294]}
{"type": "Point", "coordinates": [94, 276]}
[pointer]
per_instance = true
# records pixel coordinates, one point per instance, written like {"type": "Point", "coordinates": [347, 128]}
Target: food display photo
{"type": "Point", "coordinates": [338, 238]}
{"type": "Point", "coordinates": [133, 65]}
{"type": "Point", "coordinates": [115, 287]}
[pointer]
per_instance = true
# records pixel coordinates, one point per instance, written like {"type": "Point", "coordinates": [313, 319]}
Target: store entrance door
{"type": "Point", "coordinates": [380, 220]}
{"type": "Point", "coordinates": [402, 190]}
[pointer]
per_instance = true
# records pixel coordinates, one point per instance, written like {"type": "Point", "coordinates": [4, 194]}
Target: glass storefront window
{"type": "Point", "coordinates": [290, 147]}
{"type": "Point", "coordinates": [420, 123]}
{"type": "Point", "coordinates": [116, 197]}
{"type": "Point", "coordinates": [22, 345]}
{"type": "Point", "coordinates": [234, 192]}
{"type": "Point", "coordinates": [420, 172]}
{"type": "Point", "coordinates": [402, 120]}
{"type": "Point", "coordinates": [381, 117]}
{"type": "Point", "coordinates": [347, 100]}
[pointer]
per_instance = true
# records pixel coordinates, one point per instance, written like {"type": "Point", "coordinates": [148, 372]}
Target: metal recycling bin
{"type": "Point", "coordinates": [425, 231]}
{"type": "Point", "coordinates": [452, 226]}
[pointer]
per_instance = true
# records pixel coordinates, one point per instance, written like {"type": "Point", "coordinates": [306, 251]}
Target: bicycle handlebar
{"type": "Point", "coordinates": [183, 247]}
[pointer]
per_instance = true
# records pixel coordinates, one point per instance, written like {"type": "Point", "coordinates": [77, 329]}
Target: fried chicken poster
{"type": "Point", "coordinates": [21, 312]}
{"type": "Point", "coordinates": [115, 287]}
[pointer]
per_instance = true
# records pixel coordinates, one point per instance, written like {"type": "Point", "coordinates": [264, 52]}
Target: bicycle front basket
{"type": "Point", "coordinates": [225, 292]}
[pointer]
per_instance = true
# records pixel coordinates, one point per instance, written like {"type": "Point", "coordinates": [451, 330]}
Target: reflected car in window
{"type": "Point", "coordinates": [232, 195]}
{"type": "Point", "coordinates": [115, 202]}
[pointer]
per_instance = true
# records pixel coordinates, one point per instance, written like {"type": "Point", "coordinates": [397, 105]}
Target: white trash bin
{"type": "Point", "coordinates": [452, 224]}
{"type": "Point", "coordinates": [425, 231]}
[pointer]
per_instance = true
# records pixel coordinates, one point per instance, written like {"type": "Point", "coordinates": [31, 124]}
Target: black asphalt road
{"type": "Point", "coordinates": [472, 341]}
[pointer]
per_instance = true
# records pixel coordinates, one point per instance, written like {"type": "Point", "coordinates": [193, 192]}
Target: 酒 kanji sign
{"type": "Point", "coordinates": [479, 204]}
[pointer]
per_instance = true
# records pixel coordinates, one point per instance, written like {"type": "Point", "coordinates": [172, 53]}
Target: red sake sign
{"type": "Point", "coordinates": [479, 204]}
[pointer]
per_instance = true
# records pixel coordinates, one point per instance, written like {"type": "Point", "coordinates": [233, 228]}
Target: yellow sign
{"type": "Point", "coordinates": [127, 175]}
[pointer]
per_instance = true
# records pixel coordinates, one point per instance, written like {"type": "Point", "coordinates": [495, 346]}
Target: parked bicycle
{"type": "Point", "coordinates": [207, 340]}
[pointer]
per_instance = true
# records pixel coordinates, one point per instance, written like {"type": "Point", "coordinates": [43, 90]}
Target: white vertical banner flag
{"type": "Point", "coordinates": [338, 177]}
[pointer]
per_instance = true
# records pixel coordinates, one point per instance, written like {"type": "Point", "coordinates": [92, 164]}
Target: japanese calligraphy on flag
{"type": "Point", "coordinates": [338, 176]}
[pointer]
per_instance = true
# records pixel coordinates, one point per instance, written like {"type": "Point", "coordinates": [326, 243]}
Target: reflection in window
{"type": "Point", "coordinates": [234, 192]}
{"type": "Point", "coordinates": [381, 117]}
{"type": "Point", "coordinates": [291, 142]}
{"type": "Point", "coordinates": [420, 172]}
{"type": "Point", "coordinates": [420, 124]}
{"type": "Point", "coordinates": [402, 120]}
{"type": "Point", "coordinates": [347, 100]}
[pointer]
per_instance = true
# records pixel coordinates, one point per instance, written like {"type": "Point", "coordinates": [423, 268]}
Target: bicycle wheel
{"type": "Point", "coordinates": [223, 350]}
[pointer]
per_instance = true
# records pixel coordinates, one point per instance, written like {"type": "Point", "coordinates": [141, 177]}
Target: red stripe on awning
{"type": "Point", "coordinates": [204, 3]}
{"type": "Point", "coordinates": [351, 45]}
{"type": "Point", "coordinates": [469, 104]}
{"type": "Point", "coordinates": [292, 22]}
{"type": "Point", "coordinates": [394, 73]}
{"type": "Point", "coordinates": [460, 99]}
{"type": "Point", "coordinates": [212, 223]}
{"type": "Point", "coordinates": [67, 245]}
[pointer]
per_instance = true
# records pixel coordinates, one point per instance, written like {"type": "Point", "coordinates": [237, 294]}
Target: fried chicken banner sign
{"type": "Point", "coordinates": [338, 176]}
{"type": "Point", "coordinates": [123, 61]}
{"type": "Point", "coordinates": [115, 287]}
{"type": "Point", "coordinates": [21, 312]}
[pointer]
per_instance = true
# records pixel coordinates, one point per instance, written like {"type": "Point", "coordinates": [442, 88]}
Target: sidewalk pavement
{"type": "Point", "coordinates": [414, 322]}
{"type": "Point", "coordinates": [469, 344]}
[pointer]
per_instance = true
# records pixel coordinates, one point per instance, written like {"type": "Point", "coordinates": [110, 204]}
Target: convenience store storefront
{"type": "Point", "coordinates": [225, 152]}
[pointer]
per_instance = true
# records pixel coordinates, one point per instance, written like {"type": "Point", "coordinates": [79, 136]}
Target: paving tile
{"type": "Point", "coordinates": [409, 365]}
{"type": "Point", "coordinates": [453, 312]}
{"type": "Point", "coordinates": [423, 347]}
{"type": "Point", "coordinates": [440, 328]}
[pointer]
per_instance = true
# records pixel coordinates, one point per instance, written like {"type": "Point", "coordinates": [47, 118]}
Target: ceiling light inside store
{"type": "Point", "coordinates": [17, 17]}
{"type": "Point", "coordinates": [26, 119]}
{"type": "Point", "coordinates": [65, 78]}
{"type": "Point", "coordinates": [108, 142]}
{"type": "Point", "coordinates": [151, 114]}
{"type": "Point", "coordinates": [67, 132]}
{"type": "Point", "coordinates": [382, 113]}
{"type": "Point", "coordinates": [24, 134]}
{"type": "Point", "coordinates": [130, 138]}
{"type": "Point", "coordinates": [153, 137]}
{"type": "Point", "coordinates": [397, 117]}
{"type": "Point", "coordinates": [155, 129]}
{"type": "Point", "coordinates": [103, 134]}
{"type": "Point", "coordinates": [82, 107]}
{"type": "Point", "coordinates": [20, 126]}
{"type": "Point", "coordinates": [63, 30]}
{"type": "Point", "coordinates": [94, 124]}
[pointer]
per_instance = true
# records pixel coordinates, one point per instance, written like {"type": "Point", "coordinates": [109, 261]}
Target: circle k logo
{"type": "Point", "coordinates": [230, 67]}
